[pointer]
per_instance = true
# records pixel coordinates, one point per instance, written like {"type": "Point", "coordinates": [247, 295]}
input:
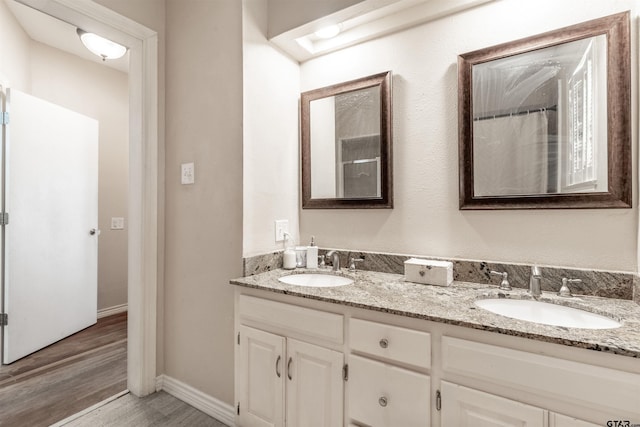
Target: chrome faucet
{"type": "Point", "coordinates": [534, 281]}
{"type": "Point", "coordinates": [334, 256]}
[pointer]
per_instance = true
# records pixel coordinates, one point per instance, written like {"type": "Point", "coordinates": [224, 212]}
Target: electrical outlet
{"type": "Point", "coordinates": [187, 175]}
{"type": "Point", "coordinates": [117, 223]}
{"type": "Point", "coordinates": [282, 226]}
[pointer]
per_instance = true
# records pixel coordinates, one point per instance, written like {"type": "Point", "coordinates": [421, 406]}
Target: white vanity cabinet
{"type": "Point", "coordinates": [283, 377]}
{"type": "Point", "coordinates": [409, 372]}
{"type": "Point", "coordinates": [550, 382]}
{"type": "Point", "coordinates": [466, 407]}
{"type": "Point", "coordinates": [387, 384]}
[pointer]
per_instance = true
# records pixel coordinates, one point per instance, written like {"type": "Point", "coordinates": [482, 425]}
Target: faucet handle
{"type": "Point", "coordinates": [321, 262]}
{"type": "Point", "coordinates": [504, 284]}
{"type": "Point", "coordinates": [564, 289]}
{"type": "Point", "coordinates": [352, 263]}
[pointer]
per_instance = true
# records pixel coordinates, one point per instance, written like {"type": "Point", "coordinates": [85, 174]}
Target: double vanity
{"type": "Point", "coordinates": [364, 348]}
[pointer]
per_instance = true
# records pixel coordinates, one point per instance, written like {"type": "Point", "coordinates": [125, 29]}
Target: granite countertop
{"type": "Point", "coordinates": [454, 305]}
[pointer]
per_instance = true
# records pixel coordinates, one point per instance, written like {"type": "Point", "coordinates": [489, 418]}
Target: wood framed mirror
{"type": "Point", "coordinates": [545, 121]}
{"type": "Point", "coordinates": [346, 145]}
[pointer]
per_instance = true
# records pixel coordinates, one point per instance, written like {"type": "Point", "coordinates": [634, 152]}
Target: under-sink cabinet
{"type": "Point", "coordinates": [301, 362]}
{"type": "Point", "coordinates": [465, 407]}
{"type": "Point", "coordinates": [282, 380]}
{"type": "Point", "coordinates": [542, 382]}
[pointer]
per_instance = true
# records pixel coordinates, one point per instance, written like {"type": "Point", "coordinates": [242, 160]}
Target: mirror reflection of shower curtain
{"type": "Point", "coordinates": [513, 152]}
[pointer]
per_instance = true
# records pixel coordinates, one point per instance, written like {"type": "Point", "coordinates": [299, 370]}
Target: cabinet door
{"type": "Point", "coordinates": [315, 385]}
{"type": "Point", "coordinates": [465, 407]}
{"type": "Point", "coordinates": [261, 379]}
{"type": "Point", "coordinates": [557, 420]}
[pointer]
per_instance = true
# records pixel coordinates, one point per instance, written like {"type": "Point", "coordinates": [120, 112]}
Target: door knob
{"type": "Point", "coordinates": [94, 231]}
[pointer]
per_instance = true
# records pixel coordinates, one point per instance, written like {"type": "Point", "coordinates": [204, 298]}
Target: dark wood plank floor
{"type": "Point", "coordinates": [66, 377]}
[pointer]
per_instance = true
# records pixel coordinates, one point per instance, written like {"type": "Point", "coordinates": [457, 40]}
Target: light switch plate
{"type": "Point", "coordinates": [117, 223]}
{"type": "Point", "coordinates": [187, 175]}
{"type": "Point", "coordinates": [282, 226]}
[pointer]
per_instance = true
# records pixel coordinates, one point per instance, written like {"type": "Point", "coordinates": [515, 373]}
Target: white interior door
{"type": "Point", "coordinates": [51, 196]}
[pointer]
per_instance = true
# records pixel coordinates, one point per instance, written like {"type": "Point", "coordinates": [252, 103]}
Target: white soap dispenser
{"type": "Point", "coordinates": [289, 255]}
{"type": "Point", "coordinates": [312, 254]}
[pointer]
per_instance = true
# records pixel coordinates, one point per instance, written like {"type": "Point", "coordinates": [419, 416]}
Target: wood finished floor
{"type": "Point", "coordinates": [66, 377]}
{"type": "Point", "coordinates": [157, 410]}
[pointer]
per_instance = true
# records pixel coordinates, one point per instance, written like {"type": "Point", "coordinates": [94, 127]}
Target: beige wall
{"type": "Point", "coordinates": [426, 219]}
{"type": "Point", "coordinates": [203, 221]}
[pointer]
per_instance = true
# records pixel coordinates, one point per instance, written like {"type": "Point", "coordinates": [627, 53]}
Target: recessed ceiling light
{"type": "Point", "coordinates": [104, 48]}
{"type": "Point", "coordinates": [328, 31]}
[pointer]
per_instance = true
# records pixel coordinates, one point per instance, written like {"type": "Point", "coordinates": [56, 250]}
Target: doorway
{"type": "Point", "coordinates": [142, 276]}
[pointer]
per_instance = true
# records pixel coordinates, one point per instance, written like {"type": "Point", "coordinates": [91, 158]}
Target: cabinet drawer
{"type": "Point", "coordinates": [295, 321]}
{"type": "Point", "coordinates": [391, 342]}
{"type": "Point", "coordinates": [384, 395]}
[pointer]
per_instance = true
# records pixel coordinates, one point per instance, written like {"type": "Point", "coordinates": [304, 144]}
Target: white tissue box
{"type": "Point", "coordinates": [428, 272]}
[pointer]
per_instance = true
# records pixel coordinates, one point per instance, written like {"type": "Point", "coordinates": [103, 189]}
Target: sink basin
{"type": "Point", "coordinates": [316, 280]}
{"type": "Point", "coordinates": [547, 314]}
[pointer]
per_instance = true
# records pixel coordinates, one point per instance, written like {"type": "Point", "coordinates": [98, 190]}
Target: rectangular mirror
{"type": "Point", "coordinates": [346, 136]}
{"type": "Point", "coordinates": [544, 121]}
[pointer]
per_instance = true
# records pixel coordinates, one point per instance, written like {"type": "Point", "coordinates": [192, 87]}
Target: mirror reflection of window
{"type": "Point", "coordinates": [540, 121]}
{"type": "Point", "coordinates": [584, 169]}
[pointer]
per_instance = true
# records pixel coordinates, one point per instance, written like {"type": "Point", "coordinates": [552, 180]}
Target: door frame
{"type": "Point", "coordinates": [144, 231]}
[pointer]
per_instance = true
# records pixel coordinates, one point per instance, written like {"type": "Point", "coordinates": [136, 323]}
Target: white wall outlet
{"type": "Point", "coordinates": [187, 175]}
{"type": "Point", "coordinates": [282, 226]}
{"type": "Point", "coordinates": [117, 223]}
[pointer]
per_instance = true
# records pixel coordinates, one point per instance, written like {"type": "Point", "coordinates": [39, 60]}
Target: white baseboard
{"type": "Point", "coordinates": [219, 410]}
{"type": "Point", "coordinates": [109, 311]}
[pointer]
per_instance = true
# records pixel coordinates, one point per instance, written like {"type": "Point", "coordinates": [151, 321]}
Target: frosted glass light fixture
{"type": "Point", "coordinates": [104, 48]}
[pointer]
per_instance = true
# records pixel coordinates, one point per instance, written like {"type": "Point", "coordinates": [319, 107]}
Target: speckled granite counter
{"type": "Point", "coordinates": [454, 305]}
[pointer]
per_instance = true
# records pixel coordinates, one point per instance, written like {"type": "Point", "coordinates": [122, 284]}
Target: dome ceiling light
{"type": "Point", "coordinates": [104, 48]}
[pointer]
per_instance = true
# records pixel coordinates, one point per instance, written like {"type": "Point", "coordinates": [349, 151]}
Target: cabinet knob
{"type": "Point", "coordinates": [384, 343]}
{"type": "Point", "coordinates": [382, 401]}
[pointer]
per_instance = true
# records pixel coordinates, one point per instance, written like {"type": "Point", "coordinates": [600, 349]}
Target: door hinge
{"type": "Point", "coordinates": [238, 409]}
{"type": "Point", "coordinates": [438, 400]}
{"type": "Point", "coordinates": [238, 338]}
{"type": "Point", "coordinates": [4, 118]}
{"type": "Point", "coordinates": [4, 319]}
{"type": "Point", "coordinates": [345, 372]}
{"type": "Point", "coordinates": [4, 218]}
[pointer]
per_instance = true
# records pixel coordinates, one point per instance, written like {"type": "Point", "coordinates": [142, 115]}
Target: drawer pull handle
{"type": "Point", "coordinates": [289, 368]}
{"type": "Point", "coordinates": [382, 401]}
{"type": "Point", "coordinates": [278, 366]}
{"type": "Point", "coordinates": [384, 343]}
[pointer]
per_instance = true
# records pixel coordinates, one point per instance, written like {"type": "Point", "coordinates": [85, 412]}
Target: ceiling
{"type": "Point", "coordinates": [58, 34]}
